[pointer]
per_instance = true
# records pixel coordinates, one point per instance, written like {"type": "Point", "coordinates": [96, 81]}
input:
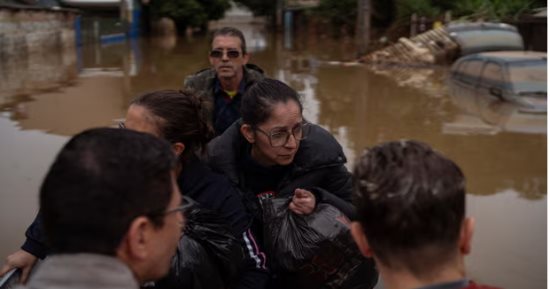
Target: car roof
{"type": "Point", "coordinates": [508, 56]}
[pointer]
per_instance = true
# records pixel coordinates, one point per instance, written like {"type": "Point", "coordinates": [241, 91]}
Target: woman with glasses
{"type": "Point", "coordinates": [275, 152]}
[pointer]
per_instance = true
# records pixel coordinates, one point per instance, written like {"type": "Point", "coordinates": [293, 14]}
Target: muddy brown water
{"type": "Point", "coordinates": [47, 98]}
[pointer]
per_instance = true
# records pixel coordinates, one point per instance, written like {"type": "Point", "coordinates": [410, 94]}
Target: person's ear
{"type": "Point", "coordinates": [137, 238]}
{"type": "Point", "coordinates": [248, 133]}
{"type": "Point", "coordinates": [360, 239]}
{"type": "Point", "coordinates": [178, 148]}
{"type": "Point", "coordinates": [466, 234]}
{"type": "Point", "coordinates": [246, 57]}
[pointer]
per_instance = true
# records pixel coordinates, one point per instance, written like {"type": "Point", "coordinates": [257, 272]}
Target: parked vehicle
{"type": "Point", "coordinates": [517, 77]}
{"type": "Point", "coordinates": [484, 36]}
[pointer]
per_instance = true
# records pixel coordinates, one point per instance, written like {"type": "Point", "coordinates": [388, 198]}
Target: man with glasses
{"type": "Point", "coordinates": [112, 212]}
{"type": "Point", "coordinates": [228, 78]}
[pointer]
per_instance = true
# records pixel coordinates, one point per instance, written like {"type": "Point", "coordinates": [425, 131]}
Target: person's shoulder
{"type": "Point", "coordinates": [222, 151]}
{"type": "Point", "coordinates": [253, 72]}
{"type": "Point", "coordinates": [204, 182]}
{"type": "Point", "coordinates": [226, 142]}
{"type": "Point", "coordinates": [200, 77]}
{"type": "Point", "coordinates": [320, 148]}
{"type": "Point", "coordinates": [253, 68]}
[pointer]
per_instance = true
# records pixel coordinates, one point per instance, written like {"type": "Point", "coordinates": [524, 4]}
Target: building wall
{"type": "Point", "coordinates": [30, 30]}
{"type": "Point", "coordinates": [37, 51]}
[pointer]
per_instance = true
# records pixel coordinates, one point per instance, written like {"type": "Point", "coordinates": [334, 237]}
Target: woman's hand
{"type": "Point", "coordinates": [19, 259]}
{"type": "Point", "coordinates": [303, 202]}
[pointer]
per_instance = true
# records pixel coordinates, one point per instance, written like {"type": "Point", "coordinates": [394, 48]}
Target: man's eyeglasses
{"type": "Point", "coordinates": [186, 204]}
{"type": "Point", "coordinates": [279, 137]}
{"type": "Point", "coordinates": [231, 53]}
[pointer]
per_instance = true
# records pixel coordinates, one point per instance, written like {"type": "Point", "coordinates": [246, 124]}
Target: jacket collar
{"type": "Point", "coordinates": [83, 271]}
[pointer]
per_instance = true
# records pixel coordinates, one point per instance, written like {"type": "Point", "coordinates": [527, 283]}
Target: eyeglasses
{"type": "Point", "coordinates": [231, 53]}
{"type": "Point", "coordinates": [186, 204]}
{"type": "Point", "coordinates": [121, 124]}
{"type": "Point", "coordinates": [278, 137]}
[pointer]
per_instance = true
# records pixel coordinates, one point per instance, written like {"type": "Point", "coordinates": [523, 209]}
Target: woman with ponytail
{"type": "Point", "coordinates": [182, 118]}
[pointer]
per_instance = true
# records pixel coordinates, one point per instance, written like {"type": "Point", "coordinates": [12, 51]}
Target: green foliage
{"type": "Point", "coordinates": [193, 13]}
{"type": "Point", "coordinates": [495, 10]}
{"type": "Point", "coordinates": [491, 10]}
{"type": "Point", "coordinates": [405, 8]}
{"type": "Point", "coordinates": [260, 7]}
{"type": "Point", "coordinates": [342, 14]}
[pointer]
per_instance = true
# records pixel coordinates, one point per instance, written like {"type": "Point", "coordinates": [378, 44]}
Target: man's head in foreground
{"type": "Point", "coordinates": [113, 192]}
{"type": "Point", "coordinates": [411, 205]}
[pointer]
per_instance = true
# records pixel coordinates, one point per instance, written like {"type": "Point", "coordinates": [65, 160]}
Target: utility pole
{"type": "Point", "coordinates": [363, 25]}
{"type": "Point", "coordinates": [279, 15]}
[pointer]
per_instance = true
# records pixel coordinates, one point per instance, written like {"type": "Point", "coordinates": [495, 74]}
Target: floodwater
{"type": "Point", "coordinates": [45, 99]}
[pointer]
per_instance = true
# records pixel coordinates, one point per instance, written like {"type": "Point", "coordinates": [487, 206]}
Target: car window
{"type": "Point", "coordinates": [492, 75]}
{"type": "Point", "coordinates": [529, 76]}
{"type": "Point", "coordinates": [470, 71]}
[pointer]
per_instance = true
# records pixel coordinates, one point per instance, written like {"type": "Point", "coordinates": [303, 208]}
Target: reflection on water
{"type": "Point", "coordinates": [361, 106]}
{"type": "Point", "coordinates": [499, 229]}
{"type": "Point", "coordinates": [25, 157]}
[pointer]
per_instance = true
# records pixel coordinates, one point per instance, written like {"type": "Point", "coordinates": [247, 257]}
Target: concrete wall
{"type": "Point", "coordinates": [30, 31]}
{"type": "Point", "coordinates": [37, 51]}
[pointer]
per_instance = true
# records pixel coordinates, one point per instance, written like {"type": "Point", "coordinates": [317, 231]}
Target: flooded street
{"type": "Point", "coordinates": [47, 98]}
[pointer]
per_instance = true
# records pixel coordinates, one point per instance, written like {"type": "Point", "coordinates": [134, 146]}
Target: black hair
{"type": "Point", "coordinates": [230, 31]}
{"type": "Point", "coordinates": [100, 181]}
{"type": "Point", "coordinates": [411, 202]}
{"type": "Point", "coordinates": [259, 100]}
{"type": "Point", "coordinates": [180, 116]}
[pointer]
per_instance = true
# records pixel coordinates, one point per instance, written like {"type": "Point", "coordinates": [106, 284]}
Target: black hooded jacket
{"type": "Point", "coordinates": [318, 166]}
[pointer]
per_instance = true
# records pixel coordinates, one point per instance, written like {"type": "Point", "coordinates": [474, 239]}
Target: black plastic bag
{"type": "Point", "coordinates": [208, 255]}
{"type": "Point", "coordinates": [314, 251]}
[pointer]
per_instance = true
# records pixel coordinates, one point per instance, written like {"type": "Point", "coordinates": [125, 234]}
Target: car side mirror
{"type": "Point", "coordinates": [496, 92]}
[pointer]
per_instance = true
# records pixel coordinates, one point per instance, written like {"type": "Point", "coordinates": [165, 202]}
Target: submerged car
{"type": "Point", "coordinates": [517, 77]}
{"type": "Point", "coordinates": [484, 36]}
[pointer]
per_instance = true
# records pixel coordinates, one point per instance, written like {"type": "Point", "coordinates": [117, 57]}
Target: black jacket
{"type": "Point", "coordinates": [214, 191]}
{"type": "Point", "coordinates": [224, 112]}
{"type": "Point", "coordinates": [317, 166]}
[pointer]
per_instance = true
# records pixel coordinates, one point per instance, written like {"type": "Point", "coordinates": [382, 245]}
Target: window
{"type": "Point", "coordinates": [470, 71]}
{"type": "Point", "coordinates": [492, 75]}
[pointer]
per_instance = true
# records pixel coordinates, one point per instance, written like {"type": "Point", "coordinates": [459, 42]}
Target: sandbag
{"type": "Point", "coordinates": [315, 250]}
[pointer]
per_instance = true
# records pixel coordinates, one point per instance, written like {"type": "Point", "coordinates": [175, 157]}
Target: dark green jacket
{"type": "Point", "coordinates": [224, 112]}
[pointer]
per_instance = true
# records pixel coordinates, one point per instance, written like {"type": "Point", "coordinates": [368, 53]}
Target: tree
{"type": "Point", "coordinates": [260, 7]}
{"type": "Point", "coordinates": [341, 14]}
{"type": "Point", "coordinates": [189, 13]}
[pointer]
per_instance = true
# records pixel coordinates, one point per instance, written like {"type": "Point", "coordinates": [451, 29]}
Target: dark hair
{"type": "Point", "coordinates": [230, 31]}
{"type": "Point", "coordinates": [100, 181]}
{"type": "Point", "coordinates": [258, 101]}
{"type": "Point", "coordinates": [410, 201]}
{"type": "Point", "coordinates": [181, 116]}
